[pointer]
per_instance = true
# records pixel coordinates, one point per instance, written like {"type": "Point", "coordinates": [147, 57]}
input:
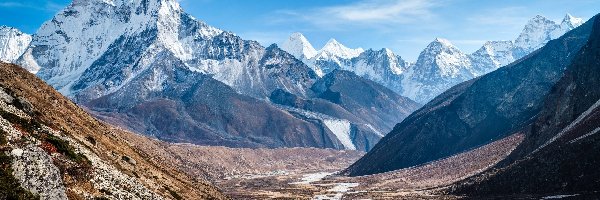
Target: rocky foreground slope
{"type": "Point", "coordinates": [52, 149]}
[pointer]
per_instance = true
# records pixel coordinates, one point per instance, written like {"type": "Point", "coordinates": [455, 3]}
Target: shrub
{"type": "Point", "coordinates": [28, 125]}
{"type": "Point", "coordinates": [64, 148]}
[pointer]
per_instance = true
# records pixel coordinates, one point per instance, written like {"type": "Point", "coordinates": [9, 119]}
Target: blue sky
{"type": "Point", "coordinates": [405, 26]}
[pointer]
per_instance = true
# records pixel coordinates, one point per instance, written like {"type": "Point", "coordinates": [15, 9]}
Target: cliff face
{"type": "Point", "coordinates": [54, 149]}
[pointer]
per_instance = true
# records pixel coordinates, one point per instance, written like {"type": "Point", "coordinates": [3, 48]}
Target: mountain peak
{"type": "Point", "coordinates": [540, 22]}
{"type": "Point", "coordinates": [442, 42]}
{"type": "Point", "coordinates": [536, 33]}
{"type": "Point", "coordinates": [299, 46]}
{"type": "Point", "coordinates": [13, 43]}
{"type": "Point", "coordinates": [571, 21]}
{"type": "Point", "coordinates": [335, 48]}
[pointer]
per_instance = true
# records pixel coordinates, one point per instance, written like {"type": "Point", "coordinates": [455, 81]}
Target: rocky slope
{"type": "Point", "coordinates": [12, 43]}
{"type": "Point", "coordinates": [559, 155]}
{"type": "Point", "coordinates": [475, 112]}
{"type": "Point", "coordinates": [195, 108]}
{"type": "Point", "coordinates": [358, 111]}
{"type": "Point", "coordinates": [53, 149]}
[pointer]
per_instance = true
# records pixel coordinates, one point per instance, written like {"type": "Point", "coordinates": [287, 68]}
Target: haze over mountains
{"type": "Point", "coordinates": [440, 65]}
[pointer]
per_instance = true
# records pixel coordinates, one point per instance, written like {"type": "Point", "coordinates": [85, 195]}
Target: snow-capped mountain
{"type": "Point", "coordinates": [150, 67]}
{"type": "Point", "coordinates": [491, 55]}
{"type": "Point", "coordinates": [92, 48]}
{"type": "Point", "coordinates": [440, 65]}
{"type": "Point", "coordinates": [299, 46]}
{"type": "Point", "coordinates": [537, 33]}
{"type": "Point", "coordinates": [12, 43]}
{"type": "Point", "coordinates": [334, 55]}
{"type": "Point", "coordinates": [381, 66]}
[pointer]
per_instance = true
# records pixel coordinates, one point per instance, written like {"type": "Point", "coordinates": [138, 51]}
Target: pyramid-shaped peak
{"type": "Point", "coordinates": [441, 42]}
{"type": "Point", "coordinates": [572, 21]}
{"type": "Point", "coordinates": [334, 42]}
{"type": "Point", "coordinates": [299, 46]}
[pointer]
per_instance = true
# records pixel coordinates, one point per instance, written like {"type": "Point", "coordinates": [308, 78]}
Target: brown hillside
{"type": "Point", "coordinates": [63, 118]}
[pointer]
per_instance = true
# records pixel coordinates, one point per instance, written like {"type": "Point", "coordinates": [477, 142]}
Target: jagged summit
{"type": "Point", "coordinates": [92, 49]}
{"type": "Point", "coordinates": [572, 21]}
{"type": "Point", "coordinates": [536, 33]}
{"type": "Point", "coordinates": [442, 42]}
{"type": "Point", "coordinates": [439, 59]}
{"type": "Point", "coordinates": [335, 48]}
{"type": "Point", "coordinates": [440, 66]}
{"type": "Point", "coordinates": [13, 43]}
{"type": "Point", "coordinates": [299, 46]}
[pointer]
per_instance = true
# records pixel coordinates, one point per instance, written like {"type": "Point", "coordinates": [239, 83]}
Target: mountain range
{"type": "Point", "coordinates": [514, 119]}
{"type": "Point", "coordinates": [476, 112]}
{"type": "Point", "coordinates": [439, 66]}
{"type": "Point", "coordinates": [149, 67]}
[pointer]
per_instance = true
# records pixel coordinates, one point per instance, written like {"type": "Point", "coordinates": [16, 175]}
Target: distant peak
{"type": "Point", "coordinates": [442, 42]}
{"type": "Point", "coordinates": [299, 46]}
{"type": "Point", "coordinates": [333, 42]}
{"type": "Point", "coordinates": [540, 19]}
{"type": "Point", "coordinates": [572, 21]}
{"type": "Point", "coordinates": [297, 35]}
{"type": "Point", "coordinates": [335, 48]}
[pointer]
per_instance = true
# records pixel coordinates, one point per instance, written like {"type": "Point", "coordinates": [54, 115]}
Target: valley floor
{"type": "Point", "coordinates": [422, 182]}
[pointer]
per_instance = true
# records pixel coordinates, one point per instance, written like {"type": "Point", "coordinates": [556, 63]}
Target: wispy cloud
{"type": "Point", "coordinates": [365, 12]}
{"type": "Point", "coordinates": [48, 6]}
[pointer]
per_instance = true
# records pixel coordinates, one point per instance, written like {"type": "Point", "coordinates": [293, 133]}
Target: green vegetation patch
{"type": "Point", "coordinates": [27, 125]}
{"type": "Point", "coordinates": [9, 185]}
{"type": "Point", "coordinates": [64, 148]}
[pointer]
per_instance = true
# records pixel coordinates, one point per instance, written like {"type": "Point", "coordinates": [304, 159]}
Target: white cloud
{"type": "Point", "coordinates": [365, 12]}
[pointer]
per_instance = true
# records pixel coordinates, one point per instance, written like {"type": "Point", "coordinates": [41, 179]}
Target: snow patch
{"type": "Point", "coordinates": [341, 129]}
{"type": "Point", "coordinates": [571, 126]}
{"type": "Point", "coordinates": [560, 196]}
{"type": "Point", "coordinates": [586, 135]}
